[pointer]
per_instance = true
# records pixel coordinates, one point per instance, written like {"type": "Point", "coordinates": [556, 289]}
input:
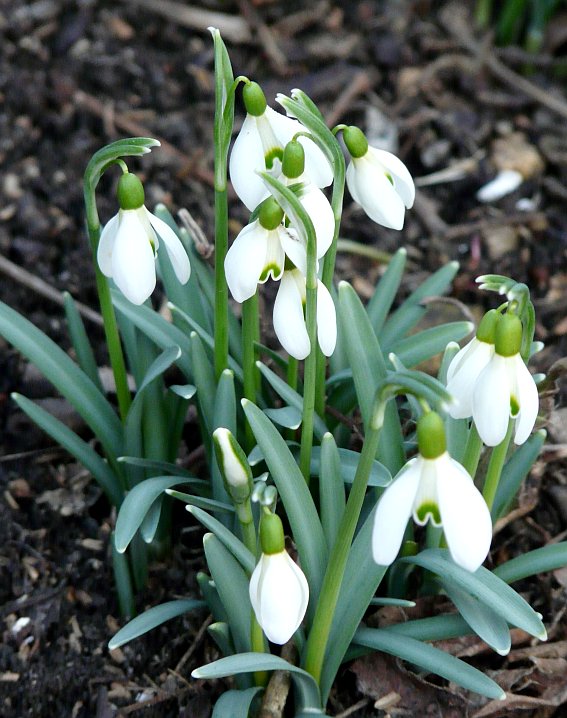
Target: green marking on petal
{"type": "Point", "coordinates": [390, 178]}
{"type": "Point", "coordinates": [428, 510]}
{"type": "Point", "coordinates": [272, 269]}
{"type": "Point", "coordinates": [514, 406]}
{"type": "Point", "coordinates": [274, 154]}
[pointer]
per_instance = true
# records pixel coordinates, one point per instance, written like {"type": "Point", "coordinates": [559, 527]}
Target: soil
{"type": "Point", "coordinates": [75, 75]}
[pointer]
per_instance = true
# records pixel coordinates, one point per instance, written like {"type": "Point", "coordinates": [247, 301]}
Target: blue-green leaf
{"type": "Point", "coordinates": [381, 301]}
{"type": "Point", "coordinates": [235, 704]}
{"type": "Point", "coordinates": [331, 489]}
{"type": "Point", "coordinates": [547, 558]}
{"type": "Point", "coordinates": [80, 341]}
{"type": "Point", "coordinates": [232, 543]}
{"type": "Point", "coordinates": [201, 502]}
{"type": "Point", "coordinates": [425, 344]}
{"type": "Point", "coordinates": [287, 416]}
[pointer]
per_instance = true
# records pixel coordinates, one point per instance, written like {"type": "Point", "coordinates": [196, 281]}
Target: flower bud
{"type": "Point", "coordinates": [486, 331]}
{"type": "Point", "coordinates": [355, 141]}
{"type": "Point", "coordinates": [270, 214]}
{"type": "Point", "coordinates": [130, 191]}
{"type": "Point", "coordinates": [233, 465]}
{"type": "Point", "coordinates": [431, 435]}
{"type": "Point", "coordinates": [254, 99]}
{"type": "Point", "coordinates": [271, 533]}
{"type": "Point", "coordinates": [293, 164]}
{"type": "Point", "coordinates": [508, 336]}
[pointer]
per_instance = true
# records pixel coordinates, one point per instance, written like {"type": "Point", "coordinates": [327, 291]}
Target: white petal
{"type": "Point", "coordinates": [403, 181]}
{"type": "Point", "coordinates": [491, 401]}
{"type": "Point", "coordinates": [133, 261]}
{"type": "Point", "coordinates": [527, 398]}
{"type": "Point", "coordinates": [374, 192]}
{"type": "Point", "coordinates": [279, 595]}
{"type": "Point", "coordinates": [465, 368]}
{"type": "Point", "coordinates": [317, 168]}
{"type": "Point", "coordinates": [393, 512]}
{"type": "Point", "coordinates": [245, 261]}
{"type": "Point", "coordinates": [289, 322]}
{"type": "Point", "coordinates": [293, 247]}
{"type": "Point", "coordinates": [459, 357]}
{"type": "Point", "coordinates": [465, 515]}
{"type": "Point", "coordinates": [175, 249]}
{"type": "Point", "coordinates": [106, 245]}
{"type": "Point", "coordinates": [246, 159]}
{"type": "Point", "coordinates": [326, 320]}
{"type": "Point", "coordinates": [321, 213]}
{"type": "Point", "coordinates": [275, 257]}
{"type": "Point", "coordinates": [425, 505]}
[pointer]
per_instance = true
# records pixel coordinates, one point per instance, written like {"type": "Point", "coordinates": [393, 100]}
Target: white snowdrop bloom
{"type": "Point", "coordinates": [378, 181]}
{"type": "Point", "coordinates": [259, 148]}
{"type": "Point", "coordinates": [505, 389]}
{"type": "Point", "coordinates": [279, 592]}
{"type": "Point", "coordinates": [467, 365]}
{"type": "Point", "coordinates": [128, 244]}
{"type": "Point", "coordinates": [289, 316]}
{"type": "Point", "coordinates": [435, 487]}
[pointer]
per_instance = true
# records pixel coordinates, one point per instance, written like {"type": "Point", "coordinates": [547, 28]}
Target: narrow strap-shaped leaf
{"type": "Point", "coordinates": [484, 586]}
{"type": "Point", "coordinates": [136, 504]}
{"type": "Point", "coordinates": [432, 659]}
{"type": "Point", "coordinates": [160, 331]}
{"type": "Point", "coordinates": [108, 481]}
{"type": "Point", "coordinates": [253, 662]}
{"type": "Point", "coordinates": [381, 301]}
{"type": "Point", "coordinates": [287, 416]}
{"type": "Point", "coordinates": [302, 514]}
{"type": "Point", "coordinates": [348, 463]}
{"type": "Point", "coordinates": [204, 381]}
{"type": "Point", "coordinates": [425, 344]}
{"type": "Point", "coordinates": [515, 471]}
{"type": "Point", "coordinates": [331, 489]}
{"type": "Point", "coordinates": [163, 467]}
{"type": "Point", "coordinates": [80, 341]}
{"type": "Point", "coordinates": [235, 704]}
{"type": "Point", "coordinates": [149, 525]}
{"type": "Point", "coordinates": [224, 416]}
{"type": "Point", "coordinates": [220, 633]}
{"type": "Point", "coordinates": [232, 543]}
{"type": "Point", "coordinates": [65, 376]}
{"type": "Point", "coordinates": [290, 396]}
{"type": "Point", "coordinates": [547, 558]}
{"type": "Point", "coordinates": [486, 623]}
{"type": "Point", "coordinates": [369, 369]}
{"type": "Point", "coordinates": [411, 311]}
{"type": "Point", "coordinates": [232, 585]}
{"type": "Point", "coordinates": [153, 618]}
{"type": "Point", "coordinates": [212, 598]}
{"type": "Point", "coordinates": [201, 502]}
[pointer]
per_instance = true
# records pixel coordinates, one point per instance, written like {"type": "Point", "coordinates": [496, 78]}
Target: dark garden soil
{"type": "Point", "coordinates": [75, 75]}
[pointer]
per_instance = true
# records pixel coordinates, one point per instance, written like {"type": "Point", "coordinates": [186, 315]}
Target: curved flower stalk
{"type": "Point", "coordinates": [279, 592]}
{"type": "Point", "coordinates": [435, 487]}
{"type": "Point", "coordinates": [128, 244]}
{"type": "Point", "coordinates": [260, 145]}
{"type": "Point", "coordinates": [505, 389]}
{"type": "Point", "coordinates": [289, 317]}
{"type": "Point", "coordinates": [378, 181]}
{"type": "Point", "coordinates": [468, 363]}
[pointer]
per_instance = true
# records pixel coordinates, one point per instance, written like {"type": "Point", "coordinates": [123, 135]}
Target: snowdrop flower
{"type": "Point", "coordinates": [233, 465]}
{"type": "Point", "coordinates": [128, 244]}
{"type": "Point", "coordinates": [289, 318]}
{"type": "Point", "coordinates": [467, 365]}
{"type": "Point", "coordinates": [260, 145]}
{"type": "Point", "coordinates": [278, 589]}
{"type": "Point", "coordinates": [435, 487]}
{"type": "Point", "coordinates": [378, 181]}
{"type": "Point", "coordinates": [505, 389]}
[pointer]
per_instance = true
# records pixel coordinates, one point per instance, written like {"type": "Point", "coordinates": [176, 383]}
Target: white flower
{"type": "Point", "coordinates": [382, 186]}
{"type": "Point", "coordinates": [289, 318]}
{"type": "Point", "coordinates": [439, 489]}
{"type": "Point", "coordinates": [279, 595]}
{"type": "Point", "coordinates": [505, 389]}
{"type": "Point", "coordinates": [128, 247]}
{"type": "Point", "coordinates": [259, 148]}
{"type": "Point", "coordinates": [462, 374]}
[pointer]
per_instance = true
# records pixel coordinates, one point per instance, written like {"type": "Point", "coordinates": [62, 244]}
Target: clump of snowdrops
{"type": "Point", "coordinates": [307, 524]}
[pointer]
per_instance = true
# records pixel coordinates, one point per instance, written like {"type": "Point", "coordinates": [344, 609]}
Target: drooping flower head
{"type": "Point", "coordinates": [435, 487]}
{"type": "Point", "coordinates": [260, 145]}
{"type": "Point", "coordinates": [505, 389]}
{"type": "Point", "coordinates": [233, 465]}
{"type": "Point", "coordinates": [467, 365]}
{"type": "Point", "coordinates": [279, 592]}
{"type": "Point", "coordinates": [128, 244]}
{"type": "Point", "coordinates": [378, 181]}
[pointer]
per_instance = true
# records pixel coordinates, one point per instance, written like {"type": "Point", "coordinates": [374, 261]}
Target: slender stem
{"type": "Point", "coordinates": [107, 310]}
{"type": "Point", "coordinates": [472, 451]}
{"type": "Point", "coordinates": [495, 466]}
{"type": "Point", "coordinates": [292, 369]}
{"type": "Point", "coordinates": [323, 620]}
{"type": "Point", "coordinates": [309, 380]}
{"type": "Point", "coordinates": [221, 287]}
{"type": "Point", "coordinates": [250, 333]}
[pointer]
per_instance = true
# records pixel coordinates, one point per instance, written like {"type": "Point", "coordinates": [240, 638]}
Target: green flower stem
{"type": "Point", "coordinates": [292, 369]}
{"type": "Point", "coordinates": [472, 451]}
{"type": "Point", "coordinates": [221, 287]}
{"type": "Point", "coordinates": [495, 466]}
{"type": "Point", "coordinates": [107, 310]}
{"type": "Point", "coordinates": [323, 620]}
{"type": "Point", "coordinates": [250, 332]}
{"type": "Point", "coordinates": [309, 380]}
